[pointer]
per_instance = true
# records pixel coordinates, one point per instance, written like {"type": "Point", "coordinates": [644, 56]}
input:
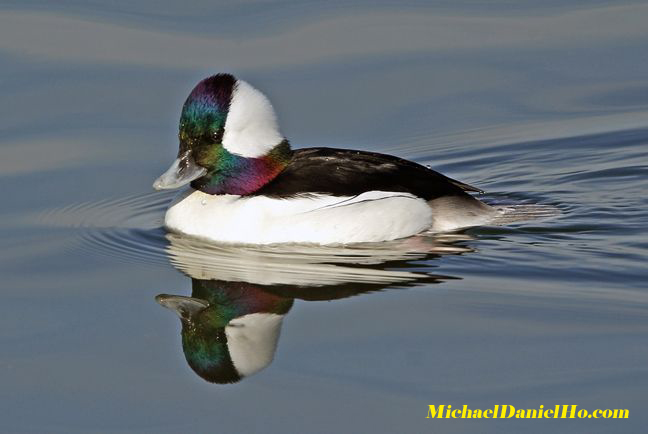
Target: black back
{"type": "Point", "coordinates": [343, 172]}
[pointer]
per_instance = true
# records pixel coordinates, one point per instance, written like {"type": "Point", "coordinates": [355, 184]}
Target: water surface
{"type": "Point", "coordinates": [535, 103]}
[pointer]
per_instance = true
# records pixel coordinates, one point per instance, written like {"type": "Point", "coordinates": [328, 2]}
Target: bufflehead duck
{"type": "Point", "coordinates": [232, 321]}
{"type": "Point", "coordinates": [249, 186]}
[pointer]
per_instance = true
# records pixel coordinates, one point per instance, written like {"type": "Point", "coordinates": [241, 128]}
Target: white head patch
{"type": "Point", "coordinates": [252, 340]}
{"type": "Point", "coordinates": [251, 127]}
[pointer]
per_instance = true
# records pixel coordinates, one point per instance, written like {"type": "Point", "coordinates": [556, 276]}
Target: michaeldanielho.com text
{"type": "Point", "coordinates": [509, 411]}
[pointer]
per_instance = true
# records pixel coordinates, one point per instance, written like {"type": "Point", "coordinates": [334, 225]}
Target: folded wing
{"type": "Point", "coordinates": [342, 172]}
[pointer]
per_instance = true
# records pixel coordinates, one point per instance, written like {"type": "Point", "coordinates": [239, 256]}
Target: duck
{"type": "Point", "coordinates": [231, 323]}
{"type": "Point", "coordinates": [249, 186]}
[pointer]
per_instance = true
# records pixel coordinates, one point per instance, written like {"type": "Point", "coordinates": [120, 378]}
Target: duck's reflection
{"type": "Point", "coordinates": [229, 329]}
{"type": "Point", "coordinates": [231, 322]}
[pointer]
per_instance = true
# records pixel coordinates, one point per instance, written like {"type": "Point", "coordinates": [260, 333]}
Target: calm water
{"type": "Point", "coordinates": [535, 104]}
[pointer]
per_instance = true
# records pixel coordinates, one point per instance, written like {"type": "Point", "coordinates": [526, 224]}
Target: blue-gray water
{"type": "Point", "coordinates": [535, 102]}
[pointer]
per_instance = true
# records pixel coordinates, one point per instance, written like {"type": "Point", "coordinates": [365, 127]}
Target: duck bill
{"type": "Point", "coordinates": [183, 170]}
{"type": "Point", "coordinates": [184, 307]}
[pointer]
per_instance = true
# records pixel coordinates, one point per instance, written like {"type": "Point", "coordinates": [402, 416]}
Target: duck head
{"type": "Point", "coordinates": [229, 329]}
{"type": "Point", "coordinates": [229, 140]}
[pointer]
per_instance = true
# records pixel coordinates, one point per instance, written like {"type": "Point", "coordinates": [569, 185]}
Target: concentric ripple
{"type": "Point", "coordinates": [141, 211]}
{"type": "Point", "coordinates": [126, 229]}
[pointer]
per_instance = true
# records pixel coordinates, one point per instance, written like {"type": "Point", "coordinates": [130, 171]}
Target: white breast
{"type": "Point", "coordinates": [321, 219]}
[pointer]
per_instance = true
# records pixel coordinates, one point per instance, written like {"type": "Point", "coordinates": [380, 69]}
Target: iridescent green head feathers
{"type": "Point", "coordinates": [229, 140]}
{"type": "Point", "coordinates": [229, 329]}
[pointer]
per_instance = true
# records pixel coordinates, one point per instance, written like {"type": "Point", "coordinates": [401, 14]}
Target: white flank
{"type": "Point", "coordinates": [320, 219]}
{"type": "Point", "coordinates": [454, 212]}
{"type": "Point", "coordinates": [251, 128]}
{"type": "Point", "coordinates": [252, 340]}
{"type": "Point", "coordinates": [301, 264]}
